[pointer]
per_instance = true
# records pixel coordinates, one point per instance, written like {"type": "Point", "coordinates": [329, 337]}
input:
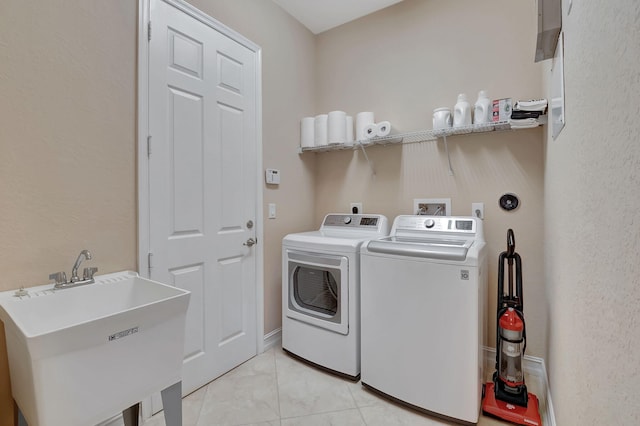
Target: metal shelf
{"type": "Point", "coordinates": [418, 136]}
{"type": "Point", "coordinates": [412, 137]}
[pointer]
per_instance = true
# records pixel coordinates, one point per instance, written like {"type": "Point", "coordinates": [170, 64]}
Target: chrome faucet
{"type": "Point", "coordinates": [84, 254]}
{"type": "Point", "coordinates": [60, 278]}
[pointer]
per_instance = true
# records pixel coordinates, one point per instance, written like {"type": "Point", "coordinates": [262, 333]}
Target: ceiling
{"type": "Point", "coordinates": [322, 15]}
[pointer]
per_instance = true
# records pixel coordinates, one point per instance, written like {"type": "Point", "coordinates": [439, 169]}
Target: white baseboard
{"type": "Point", "coordinates": [272, 339]}
{"type": "Point", "coordinates": [535, 367]}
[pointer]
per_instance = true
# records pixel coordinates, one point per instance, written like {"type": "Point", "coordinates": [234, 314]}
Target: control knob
{"type": "Point", "coordinates": [429, 223]}
{"type": "Point", "coordinates": [347, 220]}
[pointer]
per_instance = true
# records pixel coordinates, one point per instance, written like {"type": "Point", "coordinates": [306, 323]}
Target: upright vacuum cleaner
{"type": "Point", "coordinates": [506, 397]}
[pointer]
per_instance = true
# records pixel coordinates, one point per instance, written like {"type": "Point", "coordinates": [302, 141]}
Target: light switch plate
{"type": "Point", "coordinates": [272, 176]}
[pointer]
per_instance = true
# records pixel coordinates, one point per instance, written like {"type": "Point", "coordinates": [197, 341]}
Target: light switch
{"type": "Point", "coordinates": [272, 210]}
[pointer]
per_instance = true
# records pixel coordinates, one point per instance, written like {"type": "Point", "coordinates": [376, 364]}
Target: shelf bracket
{"type": "Point", "coordinates": [373, 172]}
{"type": "Point", "coordinates": [446, 148]}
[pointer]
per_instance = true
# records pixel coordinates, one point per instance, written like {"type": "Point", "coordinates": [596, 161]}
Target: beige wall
{"type": "Point", "coordinates": [67, 141]}
{"type": "Point", "coordinates": [68, 137]}
{"type": "Point", "coordinates": [67, 148]}
{"type": "Point", "coordinates": [402, 63]}
{"type": "Point", "coordinates": [592, 231]}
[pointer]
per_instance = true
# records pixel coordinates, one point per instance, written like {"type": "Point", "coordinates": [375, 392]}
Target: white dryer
{"type": "Point", "coordinates": [321, 291]}
{"type": "Point", "coordinates": [423, 297]}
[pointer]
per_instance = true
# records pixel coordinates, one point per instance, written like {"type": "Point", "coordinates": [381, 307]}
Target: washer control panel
{"type": "Point", "coordinates": [465, 225]}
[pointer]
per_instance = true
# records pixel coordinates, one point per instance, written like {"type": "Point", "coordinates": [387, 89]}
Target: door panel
{"type": "Point", "coordinates": [192, 279]}
{"type": "Point", "coordinates": [185, 54]}
{"type": "Point", "coordinates": [231, 321]}
{"type": "Point", "coordinates": [186, 146]}
{"type": "Point", "coordinates": [203, 186]}
{"type": "Point", "coordinates": [230, 129]}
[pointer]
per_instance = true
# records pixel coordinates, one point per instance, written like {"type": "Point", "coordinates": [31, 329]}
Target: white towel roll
{"type": "Point", "coordinates": [383, 128]}
{"type": "Point", "coordinates": [362, 120]}
{"type": "Point", "coordinates": [337, 124]}
{"type": "Point", "coordinates": [349, 129]}
{"type": "Point", "coordinates": [307, 132]}
{"type": "Point", "coordinates": [320, 130]}
{"type": "Point", "coordinates": [370, 131]}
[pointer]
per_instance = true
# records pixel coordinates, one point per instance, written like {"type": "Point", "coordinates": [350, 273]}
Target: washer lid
{"type": "Point", "coordinates": [428, 248]}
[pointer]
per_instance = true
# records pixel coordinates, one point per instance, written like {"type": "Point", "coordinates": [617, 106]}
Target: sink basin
{"type": "Point", "coordinates": [79, 355]}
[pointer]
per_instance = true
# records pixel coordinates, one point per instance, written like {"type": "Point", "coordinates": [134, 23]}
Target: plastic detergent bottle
{"type": "Point", "coordinates": [482, 110]}
{"type": "Point", "coordinates": [462, 112]}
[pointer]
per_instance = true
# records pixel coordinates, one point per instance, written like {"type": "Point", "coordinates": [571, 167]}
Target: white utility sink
{"type": "Point", "coordinates": [79, 355]}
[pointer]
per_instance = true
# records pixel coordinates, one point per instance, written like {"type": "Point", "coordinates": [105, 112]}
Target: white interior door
{"type": "Point", "coordinates": [202, 171]}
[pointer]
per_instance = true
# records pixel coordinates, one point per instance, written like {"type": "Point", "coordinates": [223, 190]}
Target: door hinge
{"type": "Point", "coordinates": [149, 146]}
{"type": "Point", "coordinates": [149, 260]}
{"type": "Point", "coordinates": [149, 31]}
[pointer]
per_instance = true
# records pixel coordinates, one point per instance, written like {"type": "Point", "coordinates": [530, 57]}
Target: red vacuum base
{"type": "Point", "coordinates": [528, 415]}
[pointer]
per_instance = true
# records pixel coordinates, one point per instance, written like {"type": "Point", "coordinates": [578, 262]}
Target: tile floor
{"type": "Point", "coordinates": [274, 389]}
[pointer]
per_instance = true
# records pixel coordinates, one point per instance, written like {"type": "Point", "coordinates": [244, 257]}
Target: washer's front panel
{"type": "Point", "coordinates": [420, 336]}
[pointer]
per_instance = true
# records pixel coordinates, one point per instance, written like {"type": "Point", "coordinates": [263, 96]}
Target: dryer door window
{"type": "Point", "coordinates": [317, 290]}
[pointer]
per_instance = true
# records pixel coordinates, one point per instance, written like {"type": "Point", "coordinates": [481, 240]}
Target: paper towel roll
{"type": "Point", "coordinates": [349, 129]}
{"type": "Point", "coordinates": [320, 130]}
{"type": "Point", "coordinates": [370, 131]}
{"type": "Point", "coordinates": [307, 132]}
{"type": "Point", "coordinates": [337, 127]}
{"type": "Point", "coordinates": [362, 120]}
{"type": "Point", "coordinates": [383, 128]}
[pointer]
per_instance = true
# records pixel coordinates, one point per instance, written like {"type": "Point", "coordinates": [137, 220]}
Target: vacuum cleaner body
{"type": "Point", "coordinates": [506, 397]}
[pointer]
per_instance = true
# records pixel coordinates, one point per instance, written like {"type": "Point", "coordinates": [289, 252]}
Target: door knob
{"type": "Point", "coordinates": [250, 242]}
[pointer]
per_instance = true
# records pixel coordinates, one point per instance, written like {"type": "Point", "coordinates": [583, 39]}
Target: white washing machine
{"type": "Point", "coordinates": [321, 291]}
{"type": "Point", "coordinates": [423, 297]}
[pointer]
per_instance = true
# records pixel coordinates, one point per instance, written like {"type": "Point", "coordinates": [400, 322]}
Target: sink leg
{"type": "Point", "coordinates": [19, 419]}
{"type": "Point", "coordinates": [172, 403]}
{"type": "Point", "coordinates": [131, 415]}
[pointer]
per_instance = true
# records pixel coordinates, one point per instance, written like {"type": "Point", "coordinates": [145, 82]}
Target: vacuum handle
{"type": "Point", "coordinates": [511, 243]}
{"type": "Point", "coordinates": [514, 296]}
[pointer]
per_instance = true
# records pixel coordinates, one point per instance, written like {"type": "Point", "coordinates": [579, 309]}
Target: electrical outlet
{"type": "Point", "coordinates": [355, 208]}
{"type": "Point", "coordinates": [432, 206]}
{"type": "Point", "coordinates": [477, 210]}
